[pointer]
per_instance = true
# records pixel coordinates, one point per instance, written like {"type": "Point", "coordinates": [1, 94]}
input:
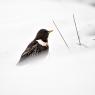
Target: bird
{"type": "Point", "coordinates": [38, 46]}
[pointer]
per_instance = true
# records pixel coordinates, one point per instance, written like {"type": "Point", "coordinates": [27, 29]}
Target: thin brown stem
{"type": "Point", "coordinates": [60, 33]}
{"type": "Point", "coordinates": [76, 30]}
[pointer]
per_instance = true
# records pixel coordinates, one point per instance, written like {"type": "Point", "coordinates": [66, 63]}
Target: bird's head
{"type": "Point", "coordinates": [43, 34]}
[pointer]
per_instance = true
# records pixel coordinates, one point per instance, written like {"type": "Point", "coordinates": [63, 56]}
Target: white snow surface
{"type": "Point", "coordinates": [64, 71]}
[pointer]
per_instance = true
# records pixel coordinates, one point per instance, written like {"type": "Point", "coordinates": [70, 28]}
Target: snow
{"type": "Point", "coordinates": [64, 71]}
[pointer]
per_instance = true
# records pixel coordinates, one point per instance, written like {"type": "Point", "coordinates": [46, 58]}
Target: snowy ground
{"type": "Point", "coordinates": [63, 71]}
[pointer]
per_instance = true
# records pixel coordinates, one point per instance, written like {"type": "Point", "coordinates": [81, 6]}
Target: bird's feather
{"type": "Point", "coordinates": [33, 49]}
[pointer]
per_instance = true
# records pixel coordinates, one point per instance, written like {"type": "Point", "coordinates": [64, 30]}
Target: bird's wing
{"type": "Point", "coordinates": [30, 50]}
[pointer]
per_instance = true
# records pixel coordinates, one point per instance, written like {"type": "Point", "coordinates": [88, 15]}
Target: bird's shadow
{"type": "Point", "coordinates": [33, 59]}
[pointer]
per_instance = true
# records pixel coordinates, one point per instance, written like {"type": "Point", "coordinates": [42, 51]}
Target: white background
{"type": "Point", "coordinates": [63, 71]}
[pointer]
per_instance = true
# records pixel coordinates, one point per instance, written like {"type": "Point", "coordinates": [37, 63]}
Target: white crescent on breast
{"type": "Point", "coordinates": [42, 42]}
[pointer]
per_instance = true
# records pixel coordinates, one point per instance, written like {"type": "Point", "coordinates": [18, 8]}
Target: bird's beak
{"type": "Point", "coordinates": [50, 31]}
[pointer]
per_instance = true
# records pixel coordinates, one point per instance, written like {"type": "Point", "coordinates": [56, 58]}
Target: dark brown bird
{"type": "Point", "coordinates": [38, 45]}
